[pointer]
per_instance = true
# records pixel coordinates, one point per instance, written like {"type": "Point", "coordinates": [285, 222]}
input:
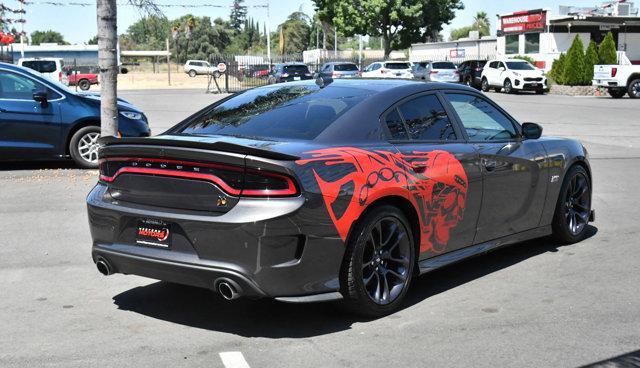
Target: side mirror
{"type": "Point", "coordinates": [41, 97]}
{"type": "Point", "coordinates": [502, 69]}
{"type": "Point", "coordinates": [531, 130]}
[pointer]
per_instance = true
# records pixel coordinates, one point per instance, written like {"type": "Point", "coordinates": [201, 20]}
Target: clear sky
{"type": "Point", "coordinates": [78, 24]}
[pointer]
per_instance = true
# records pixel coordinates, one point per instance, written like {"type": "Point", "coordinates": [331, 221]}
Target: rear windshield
{"type": "Point", "coordinates": [443, 65]}
{"type": "Point", "coordinates": [43, 66]}
{"type": "Point", "coordinates": [345, 67]}
{"type": "Point", "coordinates": [279, 113]}
{"type": "Point", "coordinates": [519, 65]}
{"type": "Point", "coordinates": [397, 65]}
{"type": "Point", "coordinates": [301, 69]}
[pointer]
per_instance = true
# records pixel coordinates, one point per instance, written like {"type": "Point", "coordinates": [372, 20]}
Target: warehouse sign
{"type": "Point", "coordinates": [524, 21]}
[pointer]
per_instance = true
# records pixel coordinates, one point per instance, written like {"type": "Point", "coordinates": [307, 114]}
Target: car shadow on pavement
{"type": "Point", "coordinates": [37, 165]}
{"type": "Point", "coordinates": [200, 308]}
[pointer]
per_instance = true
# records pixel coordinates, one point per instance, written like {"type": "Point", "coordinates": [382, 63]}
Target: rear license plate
{"type": "Point", "coordinates": [296, 78]}
{"type": "Point", "coordinates": [153, 233]}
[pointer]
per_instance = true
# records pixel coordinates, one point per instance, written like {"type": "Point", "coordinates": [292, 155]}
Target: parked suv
{"type": "Point", "coordinates": [471, 73]}
{"type": "Point", "coordinates": [339, 70]}
{"type": "Point", "coordinates": [197, 67]}
{"type": "Point", "coordinates": [437, 71]}
{"type": "Point", "coordinates": [513, 75]}
{"type": "Point", "coordinates": [388, 69]}
{"type": "Point", "coordinates": [52, 68]}
{"type": "Point", "coordinates": [42, 119]}
{"type": "Point", "coordinates": [288, 72]}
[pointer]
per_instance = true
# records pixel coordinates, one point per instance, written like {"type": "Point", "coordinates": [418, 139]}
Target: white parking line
{"type": "Point", "coordinates": [233, 359]}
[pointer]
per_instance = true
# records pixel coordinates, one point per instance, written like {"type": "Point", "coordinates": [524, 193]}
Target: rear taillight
{"type": "Point", "coordinates": [334, 74]}
{"type": "Point", "coordinates": [234, 180]}
{"type": "Point", "coordinates": [383, 71]}
{"type": "Point", "coordinates": [614, 71]}
{"type": "Point", "coordinates": [433, 72]}
{"type": "Point", "coordinates": [478, 69]}
{"type": "Point", "coordinates": [60, 76]}
{"type": "Point", "coordinates": [285, 75]}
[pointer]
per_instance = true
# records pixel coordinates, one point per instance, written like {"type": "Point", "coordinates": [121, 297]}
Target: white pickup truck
{"type": "Point", "coordinates": [620, 79]}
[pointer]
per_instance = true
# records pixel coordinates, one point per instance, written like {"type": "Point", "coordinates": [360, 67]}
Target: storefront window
{"type": "Point", "coordinates": [512, 44]}
{"type": "Point", "coordinates": [532, 43]}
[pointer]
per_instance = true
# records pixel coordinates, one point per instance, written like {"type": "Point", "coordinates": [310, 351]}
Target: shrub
{"type": "Point", "coordinates": [607, 50]}
{"type": "Point", "coordinates": [557, 69]}
{"type": "Point", "coordinates": [591, 59]}
{"type": "Point", "coordinates": [573, 74]}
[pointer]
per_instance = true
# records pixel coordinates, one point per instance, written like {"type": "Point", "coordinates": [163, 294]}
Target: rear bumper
{"type": "Point", "coordinates": [274, 248]}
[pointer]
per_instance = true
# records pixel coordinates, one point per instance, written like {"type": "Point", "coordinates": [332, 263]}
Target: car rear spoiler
{"type": "Point", "coordinates": [215, 146]}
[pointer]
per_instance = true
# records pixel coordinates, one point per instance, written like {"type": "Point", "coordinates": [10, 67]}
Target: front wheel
{"type": "Point", "coordinates": [192, 73]}
{"type": "Point", "coordinates": [84, 84]}
{"type": "Point", "coordinates": [634, 88]}
{"type": "Point", "coordinates": [573, 209]}
{"type": "Point", "coordinates": [83, 147]}
{"type": "Point", "coordinates": [508, 87]}
{"type": "Point", "coordinates": [378, 265]}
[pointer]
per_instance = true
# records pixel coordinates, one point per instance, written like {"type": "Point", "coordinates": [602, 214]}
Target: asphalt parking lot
{"type": "Point", "coordinates": [537, 304]}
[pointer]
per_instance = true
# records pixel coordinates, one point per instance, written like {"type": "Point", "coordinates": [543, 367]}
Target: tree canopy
{"type": "Point", "coordinates": [398, 22]}
{"type": "Point", "coordinates": [481, 24]}
{"type": "Point", "coordinates": [39, 37]}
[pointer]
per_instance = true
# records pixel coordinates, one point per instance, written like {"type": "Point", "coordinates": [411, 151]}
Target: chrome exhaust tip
{"type": "Point", "coordinates": [227, 290]}
{"type": "Point", "coordinates": [104, 267]}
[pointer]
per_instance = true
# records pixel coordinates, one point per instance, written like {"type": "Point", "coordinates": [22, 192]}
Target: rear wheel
{"type": "Point", "coordinates": [616, 92]}
{"type": "Point", "coordinates": [484, 86]}
{"type": "Point", "coordinates": [83, 147]}
{"type": "Point", "coordinates": [378, 265]}
{"type": "Point", "coordinates": [84, 84]}
{"type": "Point", "coordinates": [634, 88]}
{"type": "Point", "coordinates": [574, 206]}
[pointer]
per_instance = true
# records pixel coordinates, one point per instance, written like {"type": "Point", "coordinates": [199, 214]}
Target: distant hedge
{"type": "Point", "coordinates": [575, 68]}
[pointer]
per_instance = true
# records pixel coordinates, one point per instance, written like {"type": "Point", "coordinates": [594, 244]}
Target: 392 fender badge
{"type": "Point", "coordinates": [555, 178]}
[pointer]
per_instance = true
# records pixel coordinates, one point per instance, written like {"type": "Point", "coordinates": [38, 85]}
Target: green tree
{"type": "Point", "coordinates": [573, 74]}
{"type": "Point", "coordinates": [591, 59]}
{"type": "Point", "coordinates": [296, 31]}
{"type": "Point", "coordinates": [607, 50]}
{"type": "Point", "coordinates": [398, 22]}
{"type": "Point", "coordinates": [238, 15]}
{"type": "Point", "coordinates": [38, 37]}
{"type": "Point", "coordinates": [462, 32]}
{"type": "Point", "coordinates": [93, 40]}
{"type": "Point", "coordinates": [557, 69]}
{"type": "Point", "coordinates": [150, 32]}
{"type": "Point", "coordinates": [481, 23]}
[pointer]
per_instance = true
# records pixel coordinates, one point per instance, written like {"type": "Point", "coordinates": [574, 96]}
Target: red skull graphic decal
{"type": "Point", "coordinates": [434, 182]}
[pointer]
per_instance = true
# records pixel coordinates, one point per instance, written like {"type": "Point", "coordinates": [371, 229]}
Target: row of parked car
{"type": "Point", "coordinates": [508, 75]}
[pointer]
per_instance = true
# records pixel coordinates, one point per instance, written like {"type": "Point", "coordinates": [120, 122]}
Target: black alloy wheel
{"type": "Point", "coordinates": [574, 206]}
{"type": "Point", "coordinates": [634, 88]}
{"type": "Point", "coordinates": [379, 263]}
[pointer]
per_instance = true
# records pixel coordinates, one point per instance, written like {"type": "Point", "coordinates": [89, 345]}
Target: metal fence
{"type": "Point", "coordinates": [248, 71]}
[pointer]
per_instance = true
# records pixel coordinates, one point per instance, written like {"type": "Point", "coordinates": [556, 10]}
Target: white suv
{"type": "Point", "coordinates": [49, 67]}
{"type": "Point", "coordinates": [388, 69]}
{"type": "Point", "coordinates": [197, 67]}
{"type": "Point", "coordinates": [513, 75]}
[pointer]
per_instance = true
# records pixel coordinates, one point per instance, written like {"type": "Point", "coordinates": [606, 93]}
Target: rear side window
{"type": "Point", "coordinates": [443, 65]}
{"type": "Point", "coordinates": [47, 66]}
{"type": "Point", "coordinates": [345, 67]}
{"type": "Point", "coordinates": [396, 125]}
{"type": "Point", "coordinates": [481, 120]}
{"type": "Point", "coordinates": [301, 69]}
{"type": "Point", "coordinates": [279, 113]}
{"type": "Point", "coordinates": [397, 65]}
{"type": "Point", "coordinates": [426, 119]}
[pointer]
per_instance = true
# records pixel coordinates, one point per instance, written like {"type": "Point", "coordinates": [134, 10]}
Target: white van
{"type": "Point", "coordinates": [51, 68]}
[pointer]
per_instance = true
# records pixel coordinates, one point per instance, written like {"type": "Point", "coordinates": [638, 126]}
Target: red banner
{"type": "Point", "coordinates": [524, 22]}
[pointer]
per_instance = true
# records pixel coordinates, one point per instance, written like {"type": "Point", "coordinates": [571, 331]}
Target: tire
{"type": "Point", "coordinates": [83, 147]}
{"type": "Point", "coordinates": [192, 73]}
{"type": "Point", "coordinates": [467, 81]}
{"type": "Point", "coordinates": [484, 86]}
{"type": "Point", "coordinates": [497, 89]}
{"type": "Point", "coordinates": [572, 212]}
{"type": "Point", "coordinates": [507, 86]}
{"type": "Point", "coordinates": [616, 93]}
{"type": "Point", "coordinates": [370, 263]}
{"type": "Point", "coordinates": [539, 91]}
{"type": "Point", "coordinates": [634, 88]}
{"type": "Point", "coordinates": [84, 84]}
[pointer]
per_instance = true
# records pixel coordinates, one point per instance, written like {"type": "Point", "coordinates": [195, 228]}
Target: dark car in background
{"type": "Point", "coordinates": [289, 72]}
{"type": "Point", "coordinates": [312, 191]}
{"type": "Point", "coordinates": [471, 73]}
{"type": "Point", "coordinates": [339, 69]}
{"type": "Point", "coordinates": [42, 119]}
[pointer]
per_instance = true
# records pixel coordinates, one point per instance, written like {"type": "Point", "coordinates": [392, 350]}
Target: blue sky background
{"type": "Point", "coordinates": [78, 24]}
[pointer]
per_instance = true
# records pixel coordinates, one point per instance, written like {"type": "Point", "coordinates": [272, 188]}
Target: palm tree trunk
{"type": "Point", "coordinates": [108, 63]}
